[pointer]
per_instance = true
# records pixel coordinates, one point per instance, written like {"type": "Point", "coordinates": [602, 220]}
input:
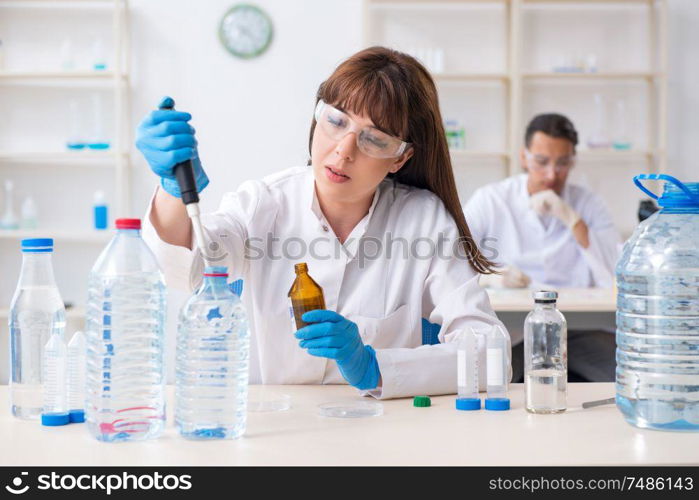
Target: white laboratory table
{"type": "Point", "coordinates": [404, 435]}
{"type": "Point", "coordinates": [585, 300]}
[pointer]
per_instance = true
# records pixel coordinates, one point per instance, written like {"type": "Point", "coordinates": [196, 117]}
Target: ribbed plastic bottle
{"type": "Point", "coordinates": [36, 313]}
{"type": "Point", "coordinates": [657, 375]}
{"type": "Point", "coordinates": [125, 398]}
{"type": "Point", "coordinates": [213, 346]}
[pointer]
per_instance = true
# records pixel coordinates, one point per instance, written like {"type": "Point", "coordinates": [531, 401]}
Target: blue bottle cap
{"type": "Point", "coordinates": [37, 245]}
{"type": "Point", "coordinates": [76, 416]}
{"type": "Point", "coordinates": [55, 419]}
{"type": "Point", "coordinates": [497, 404]}
{"type": "Point", "coordinates": [468, 404]}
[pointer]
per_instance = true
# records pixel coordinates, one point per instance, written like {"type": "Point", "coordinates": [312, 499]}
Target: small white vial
{"type": "Point", "coordinates": [55, 407]}
{"type": "Point", "coordinates": [77, 366]}
{"type": "Point", "coordinates": [467, 371]}
{"type": "Point", "coordinates": [497, 369]}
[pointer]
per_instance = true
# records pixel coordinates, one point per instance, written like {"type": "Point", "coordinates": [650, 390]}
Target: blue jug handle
{"type": "Point", "coordinates": [661, 177]}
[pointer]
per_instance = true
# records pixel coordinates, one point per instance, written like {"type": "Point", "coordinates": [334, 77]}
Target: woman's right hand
{"type": "Point", "coordinates": [165, 138]}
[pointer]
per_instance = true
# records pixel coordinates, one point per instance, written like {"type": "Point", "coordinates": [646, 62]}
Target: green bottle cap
{"type": "Point", "coordinates": [422, 401]}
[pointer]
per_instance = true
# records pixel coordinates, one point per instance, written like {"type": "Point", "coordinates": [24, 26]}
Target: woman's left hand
{"type": "Point", "coordinates": [331, 335]}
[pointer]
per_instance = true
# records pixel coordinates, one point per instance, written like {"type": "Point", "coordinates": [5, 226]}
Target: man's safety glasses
{"type": "Point", "coordinates": [540, 162]}
{"type": "Point", "coordinates": [370, 140]}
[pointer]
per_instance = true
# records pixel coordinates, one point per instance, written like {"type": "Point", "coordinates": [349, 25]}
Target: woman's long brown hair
{"type": "Point", "coordinates": [400, 97]}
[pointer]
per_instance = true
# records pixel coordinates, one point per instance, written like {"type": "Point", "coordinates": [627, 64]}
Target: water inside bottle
{"type": "Point", "coordinates": [657, 378]}
{"type": "Point", "coordinates": [37, 313]}
{"type": "Point", "coordinates": [546, 391]}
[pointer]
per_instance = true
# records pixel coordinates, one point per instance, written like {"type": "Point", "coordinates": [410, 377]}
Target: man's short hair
{"type": "Point", "coordinates": [551, 124]}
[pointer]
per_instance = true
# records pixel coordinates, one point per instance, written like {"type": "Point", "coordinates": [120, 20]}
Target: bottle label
{"type": "Point", "coordinates": [494, 367]}
{"type": "Point", "coordinates": [292, 318]}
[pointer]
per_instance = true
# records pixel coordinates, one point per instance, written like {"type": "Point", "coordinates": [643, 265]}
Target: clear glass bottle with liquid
{"type": "Point", "coordinates": [36, 313]}
{"type": "Point", "coordinates": [545, 356]}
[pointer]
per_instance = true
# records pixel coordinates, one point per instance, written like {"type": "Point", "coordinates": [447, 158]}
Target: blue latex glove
{"type": "Point", "coordinates": [333, 336]}
{"type": "Point", "coordinates": [166, 139]}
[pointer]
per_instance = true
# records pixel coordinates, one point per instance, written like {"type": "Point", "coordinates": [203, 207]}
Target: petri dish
{"type": "Point", "coordinates": [261, 399]}
{"type": "Point", "coordinates": [350, 409]}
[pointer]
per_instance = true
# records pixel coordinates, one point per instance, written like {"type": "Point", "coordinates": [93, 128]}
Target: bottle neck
{"type": "Point", "coordinates": [129, 233]}
{"type": "Point", "coordinates": [37, 269]}
{"type": "Point", "coordinates": [216, 284]}
{"type": "Point", "coordinates": [545, 305]}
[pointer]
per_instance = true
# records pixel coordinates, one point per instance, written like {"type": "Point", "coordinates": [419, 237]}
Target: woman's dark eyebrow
{"type": "Point", "coordinates": [370, 126]}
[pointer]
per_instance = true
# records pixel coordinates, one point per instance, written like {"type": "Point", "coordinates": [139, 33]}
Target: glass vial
{"type": "Point", "coordinates": [545, 356]}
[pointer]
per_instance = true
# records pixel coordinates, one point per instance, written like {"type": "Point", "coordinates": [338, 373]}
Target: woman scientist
{"type": "Point", "coordinates": [375, 215]}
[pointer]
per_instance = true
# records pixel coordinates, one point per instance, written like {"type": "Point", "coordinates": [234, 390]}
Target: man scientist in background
{"type": "Point", "coordinates": [550, 233]}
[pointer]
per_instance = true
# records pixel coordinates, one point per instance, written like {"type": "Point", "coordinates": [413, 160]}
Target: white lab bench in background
{"type": "Point", "coordinates": [583, 308]}
{"type": "Point", "coordinates": [403, 435]}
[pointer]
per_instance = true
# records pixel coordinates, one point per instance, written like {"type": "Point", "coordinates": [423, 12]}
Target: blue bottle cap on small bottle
{"type": "Point", "coordinates": [468, 404]}
{"type": "Point", "coordinates": [497, 404]}
{"type": "Point", "coordinates": [37, 245]}
{"type": "Point", "coordinates": [76, 416]}
{"type": "Point", "coordinates": [55, 419]}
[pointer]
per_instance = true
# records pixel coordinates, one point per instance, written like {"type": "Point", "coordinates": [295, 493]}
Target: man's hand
{"type": "Point", "coordinates": [509, 277]}
{"type": "Point", "coordinates": [549, 203]}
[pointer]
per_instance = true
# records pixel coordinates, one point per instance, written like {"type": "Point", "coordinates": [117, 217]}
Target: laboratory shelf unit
{"type": "Point", "coordinates": [9, 76]}
{"type": "Point", "coordinates": [501, 62]}
{"type": "Point", "coordinates": [101, 236]}
{"type": "Point", "coordinates": [59, 56]}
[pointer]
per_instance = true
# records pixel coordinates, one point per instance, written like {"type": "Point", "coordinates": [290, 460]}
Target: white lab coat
{"type": "Point", "coordinates": [386, 296]}
{"type": "Point", "coordinates": [543, 247]}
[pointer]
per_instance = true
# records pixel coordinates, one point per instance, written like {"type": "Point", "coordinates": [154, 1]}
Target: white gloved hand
{"type": "Point", "coordinates": [509, 277]}
{"type": "Point", "coordinates": [549, 203]}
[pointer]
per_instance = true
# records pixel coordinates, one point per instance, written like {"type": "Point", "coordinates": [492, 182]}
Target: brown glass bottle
{"type": "Point", "coordinates": [305, 295]}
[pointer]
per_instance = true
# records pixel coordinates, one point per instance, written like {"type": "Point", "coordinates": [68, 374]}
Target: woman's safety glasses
{"type": "Point", "coordinates": [540, 162]}
{"type": "Point", "coordinates": [370, 140]}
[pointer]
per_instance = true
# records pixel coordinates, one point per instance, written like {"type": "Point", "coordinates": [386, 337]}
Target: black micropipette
{"type": "Point", "coordinates": [184, 173]}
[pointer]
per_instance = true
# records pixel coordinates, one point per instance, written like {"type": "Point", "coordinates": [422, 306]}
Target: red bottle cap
{"type": "Point", "coordinates": [128, 223]}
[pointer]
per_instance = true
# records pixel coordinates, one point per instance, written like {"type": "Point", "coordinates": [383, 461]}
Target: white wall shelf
{"type": "Point", "coordinates": [78, 158]}
{"type": "Point", "coordinates": [499, 59]}
{"type": "Point", "coordinates": [469, 77]}
{"type": "Point", "coordinates": [592, 76]}
{"type": "Point", "coordinates": [463, 154]}
{"type": "Point", "coordinates": [59, 75]}
{"type": "Point", "coordinates": [57, 4]}
{"type": "Point", "coordinates": [68, 236]}
{"type": "Point", "coordinates": [33, 87]}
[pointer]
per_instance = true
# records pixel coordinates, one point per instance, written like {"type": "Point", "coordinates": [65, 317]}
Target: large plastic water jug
{"type": "Point", "coordinates": [657, 375]}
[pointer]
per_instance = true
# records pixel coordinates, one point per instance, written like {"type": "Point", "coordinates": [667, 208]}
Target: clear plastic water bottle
{"type": "Point", "coordinates": [213, 345]}
{"type": "Point", "coordinates": [657, 375]}
{"type": "Point", "coordinates": [37, 311]}
{"type": "Point", "coordinates": [125, 398]}
{"type": "Point", "coordinates": [545, 356]}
